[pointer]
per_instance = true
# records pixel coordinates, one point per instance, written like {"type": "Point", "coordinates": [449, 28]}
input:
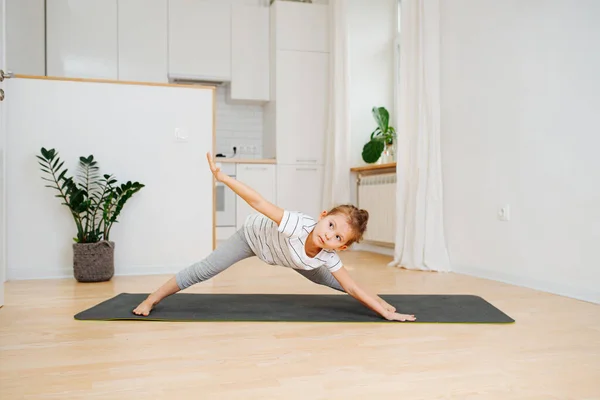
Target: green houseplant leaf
{"type": "Point", "coordinates": [382, 135]}
{"type": "Point", "coordinates": [372, 150]}
{"type": "Point", "coordinates": [382, 117]}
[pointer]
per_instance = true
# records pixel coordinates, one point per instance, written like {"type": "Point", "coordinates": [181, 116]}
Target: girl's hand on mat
{"type": "Point", "coordinates": [216, 171]}
{"type": "Point", "coordinates": [144, 308]}
{"type": "Point", "coordinates": [388, 307]}
{"type": "Point", "coordinates": [394, 316]}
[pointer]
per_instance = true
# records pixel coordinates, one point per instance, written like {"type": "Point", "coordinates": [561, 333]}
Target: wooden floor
{"type": "Point", "coordinates": [551, 352]}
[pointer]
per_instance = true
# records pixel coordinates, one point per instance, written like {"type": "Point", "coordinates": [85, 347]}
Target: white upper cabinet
{"type": "Point", "coordinates": [200, 39]}
{"type": "Point", "coordinates": [301, 111]}
{"type": "Point", "coordinates": [82, 38]}
{"type": "Point", "coordinates": [250, 53]}
{"type": "Point", "coordinates": [301, 26]}
{"type": "Point", "coordinates": [261, 178]}
{"type": "Point", "coordinates": [25, 37]}
{"type": "Point", "coordinates": [143, 40]}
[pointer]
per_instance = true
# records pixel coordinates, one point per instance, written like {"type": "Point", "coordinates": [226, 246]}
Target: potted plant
{"type": "Point", "coordinates": [94, 203]}
{"type": "Point", "coordinates": [382, 138]}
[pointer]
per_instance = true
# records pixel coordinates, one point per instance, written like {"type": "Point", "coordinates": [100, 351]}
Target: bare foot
{"type": "Point", "coordinates": [145, 307]}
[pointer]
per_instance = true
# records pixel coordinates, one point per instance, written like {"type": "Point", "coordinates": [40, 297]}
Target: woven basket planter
{"type": "Point", "coordinates": [94, 262]}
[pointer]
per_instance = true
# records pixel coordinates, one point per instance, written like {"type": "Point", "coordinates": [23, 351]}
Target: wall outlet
{"type": "Point", "coordinates": [504, 213]}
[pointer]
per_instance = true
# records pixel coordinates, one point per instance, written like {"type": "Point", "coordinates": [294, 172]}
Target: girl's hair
{"type": "Point", "coordinates": [357, 218]}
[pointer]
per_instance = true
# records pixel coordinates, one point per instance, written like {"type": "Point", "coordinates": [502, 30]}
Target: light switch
{"type": "Point", "coordinates": [504, 213]}
{"type": "Point", "coordinates": [181, 135]}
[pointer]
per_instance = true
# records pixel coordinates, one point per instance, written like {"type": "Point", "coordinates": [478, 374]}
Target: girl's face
{"type": "Point", "coordinates": [332, 232]}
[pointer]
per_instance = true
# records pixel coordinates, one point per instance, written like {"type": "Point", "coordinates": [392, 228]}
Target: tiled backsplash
{"type": "Point", "coordinates": [240, 126]}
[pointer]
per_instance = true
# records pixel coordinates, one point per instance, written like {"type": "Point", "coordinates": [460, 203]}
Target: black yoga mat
{"type": "Point", "coordinates": [296, 308]}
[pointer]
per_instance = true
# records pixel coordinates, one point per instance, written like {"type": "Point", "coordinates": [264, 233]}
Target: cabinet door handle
{"type": "Point", "coordinates": [312, 160]}
{"type": "Point", "coordinates": [306, 169]}
{"type": "Point", "coordinates": [255, 168]}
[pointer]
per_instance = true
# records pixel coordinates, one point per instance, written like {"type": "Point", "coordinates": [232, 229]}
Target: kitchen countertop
{"type": "Point", "coordinates": [245, 160]}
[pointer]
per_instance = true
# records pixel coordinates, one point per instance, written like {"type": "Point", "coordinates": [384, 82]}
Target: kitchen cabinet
{"type": "Point", "coordinates": [261, 178]}
{"type": "Point", "coordinates": [301, 26]}
{"type": "Point", "coordinates": [82, 39]}
{"type": "Point", "coordinates": [25, 37]}
{"type": "Point", "coordinates": [300, 188]}
{"type": "Point", "coordinates": [142, 31]}
{"type": "Point", "coordinates": [296, 117]}
{"type": "Point", "coordinates": [200, 39]}
{"type": "Point", "coordinates": [301, 106]}
{"type": "Point", "coordinates": [148, 41]}
{"type": "Point", "coordinates": [250, 53]}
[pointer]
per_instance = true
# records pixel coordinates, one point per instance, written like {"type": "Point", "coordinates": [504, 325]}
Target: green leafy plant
{"type": "Point", "coordinates": [383, 135]}
{"type": "Point", "coordinates": [95, 202]}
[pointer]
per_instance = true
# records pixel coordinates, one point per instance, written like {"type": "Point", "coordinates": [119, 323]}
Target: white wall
{"type": "Point", "coordinates": [520, 100]}
{"type": "Point", "coordinates": [372, 31]}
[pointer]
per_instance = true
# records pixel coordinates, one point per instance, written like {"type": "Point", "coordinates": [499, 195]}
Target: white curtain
{"type": "Point", "coordinates": [336, 181]}
{"type": "Point", "coordinates": [420, 240]}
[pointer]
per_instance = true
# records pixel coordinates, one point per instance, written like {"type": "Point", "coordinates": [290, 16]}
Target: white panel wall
{"type": "Point", "coordinates": [520, 101]}
{"type": "Point", "coordinates": [130, 129]}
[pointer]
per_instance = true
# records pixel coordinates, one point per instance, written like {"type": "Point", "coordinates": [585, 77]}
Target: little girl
{"type": "Point", "coordinates": [286, 238]}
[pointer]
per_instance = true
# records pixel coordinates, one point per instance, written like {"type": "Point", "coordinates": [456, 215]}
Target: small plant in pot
{"type": "Point", "coordinates": [382, 138]}
{"type": "Point", "coordinates": [95, 203]}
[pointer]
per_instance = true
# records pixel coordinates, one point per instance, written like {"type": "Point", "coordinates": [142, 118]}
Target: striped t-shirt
{"type": "Point", "coordinates": [284, 244]}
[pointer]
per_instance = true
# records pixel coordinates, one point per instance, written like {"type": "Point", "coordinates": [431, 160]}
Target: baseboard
{"type": "Point", "coordinates": [374, 249]}
{"type": "Point", "coordinates": [561, 289]}
{"type": "Point", "coordinates": [19, 274]}
{"type": "Point", "coordinates": [15, 274]}
{"type": "Point", "coordinates": [150, 269]}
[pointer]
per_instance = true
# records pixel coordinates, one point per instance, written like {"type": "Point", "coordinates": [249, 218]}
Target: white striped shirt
{"type": "Point", "coordinates": [284, 244]}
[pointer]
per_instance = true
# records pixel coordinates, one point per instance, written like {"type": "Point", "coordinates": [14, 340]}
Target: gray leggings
{"type": "Point", "coordinates": [230, 252]}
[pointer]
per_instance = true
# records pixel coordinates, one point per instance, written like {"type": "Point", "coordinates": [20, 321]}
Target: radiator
{"type": "Point", "coordinates": [377, 195]}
